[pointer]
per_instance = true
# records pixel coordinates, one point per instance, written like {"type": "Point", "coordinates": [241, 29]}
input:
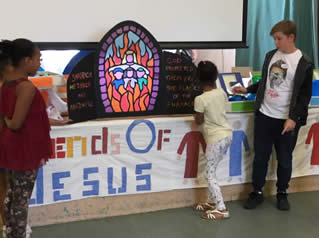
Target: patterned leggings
{"type": "Point", "coordinates": [20, 186]}
{"type": "Point", "coordinates": [214, 154]}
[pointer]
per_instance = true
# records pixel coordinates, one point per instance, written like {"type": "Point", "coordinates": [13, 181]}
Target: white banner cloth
{"type": "Point", "coordinates": [132, 156]}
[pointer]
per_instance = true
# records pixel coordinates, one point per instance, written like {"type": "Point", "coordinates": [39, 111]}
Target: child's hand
{"type": "Point", "coordinates": [288, 126]}
{"type": "Point", "coordinates": [63, 122]}
{"type": "Point", "coordinates": [8, 122]}
{"type": "Point", "coordinates": [239, 90]}
{"type": "Point", "coordinates": [179, 156]}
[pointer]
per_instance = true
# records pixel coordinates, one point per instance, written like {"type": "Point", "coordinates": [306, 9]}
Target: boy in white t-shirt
{"type": "Point", "coordinates": [210, 113]}
{"type": "Point", "coordinates": [282, 98]}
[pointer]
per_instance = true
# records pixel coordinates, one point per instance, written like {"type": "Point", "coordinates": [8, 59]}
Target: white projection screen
{"type": "Point", "coordinates": [82, 23]}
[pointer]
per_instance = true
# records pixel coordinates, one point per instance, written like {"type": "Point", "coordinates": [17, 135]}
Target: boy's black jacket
{"type": "Point", "coordinates": [302, 89]}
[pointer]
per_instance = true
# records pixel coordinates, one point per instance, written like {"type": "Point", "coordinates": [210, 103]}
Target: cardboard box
{"type": "Point", "coordinates": [244, 71]}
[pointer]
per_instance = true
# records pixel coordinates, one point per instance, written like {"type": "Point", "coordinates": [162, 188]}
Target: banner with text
{"type": "Point", "coordinates": [119, 157]}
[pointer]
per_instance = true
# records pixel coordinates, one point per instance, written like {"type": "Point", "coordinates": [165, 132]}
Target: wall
{"type": "Point", "coordinates": [224, 59]}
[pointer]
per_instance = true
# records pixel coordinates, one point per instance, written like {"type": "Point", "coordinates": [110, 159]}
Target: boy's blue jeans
{"type": "Point", "coordinates": [267, 132]}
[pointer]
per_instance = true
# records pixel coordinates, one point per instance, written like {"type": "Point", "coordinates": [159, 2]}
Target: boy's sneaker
{"type": "Point", "coordinates": [255, 199]}
{"type": "Point", "coordinates": [282, 202]}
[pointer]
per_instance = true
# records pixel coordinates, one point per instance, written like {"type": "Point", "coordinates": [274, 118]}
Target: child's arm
{"type": "Point", "coordinates": [199, 118]}
{"type": "Point", "coordinates": [288, 126]}
{"type": "Point", "coordinates": [55, 122]}
{"type": "Point", "coordinates": [240, 89]}
{"type": "Point", "coordinates": [253, 88]}
{"type": "Point", "coordinates": [199, 109]}
{"type": "Point", "coordinates": [25, 92]}
{"type": "Point", "coordinates": [303, 97]}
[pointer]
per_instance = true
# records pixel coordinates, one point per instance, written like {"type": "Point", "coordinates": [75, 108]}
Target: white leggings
{"type": "Point", "coordinates": [214, 154]}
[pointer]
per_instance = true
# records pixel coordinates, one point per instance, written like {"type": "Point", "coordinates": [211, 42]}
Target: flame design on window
{"type": "Point", "coordinates": [128, 70]}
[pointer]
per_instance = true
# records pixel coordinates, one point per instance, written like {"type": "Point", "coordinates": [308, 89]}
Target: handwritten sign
{"type": "Point", "coordinates": [181, 83]}
{"type": "Point", "coordinates": [80, 90]}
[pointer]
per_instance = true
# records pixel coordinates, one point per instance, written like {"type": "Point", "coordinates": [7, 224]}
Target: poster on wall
{"type": "Point", "coordinates": [80, 90]}
{"type": "Point", "coordinates": [181, 83]}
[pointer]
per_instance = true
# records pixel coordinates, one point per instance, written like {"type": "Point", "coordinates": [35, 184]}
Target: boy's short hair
{"type": "Point", "coordinates": [207, 73]}
{"type": "Point", "coordinates": [287, 27]}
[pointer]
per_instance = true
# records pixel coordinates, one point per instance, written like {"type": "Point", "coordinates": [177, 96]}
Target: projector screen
{"type": "Point", "coordinates": [81, 24]}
